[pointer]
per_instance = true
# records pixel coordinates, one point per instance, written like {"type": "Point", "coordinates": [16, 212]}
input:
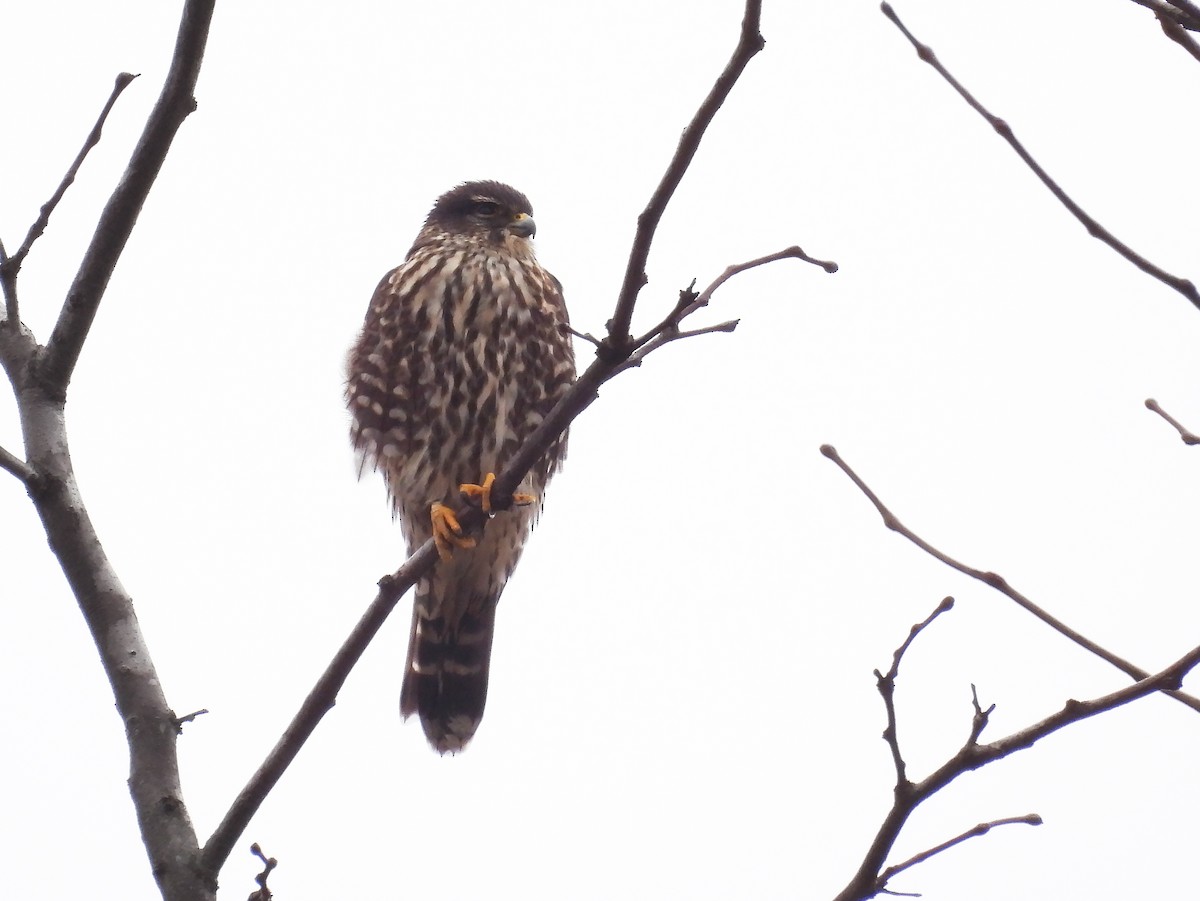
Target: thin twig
{"type": "Point", "coordinates": [997, 582]}
{"type": "Point", "coordinates": [39, 226]}
{"type": "Point", "coordinates": [1030, 819]}
{"type": "Point", "coordinates": [175, 103]}
{"type": "Point", "coordinates": [269, 863]}
{"type": "Point", "coordinates": [750, 42]}
{"type": "Point", "coordinates": [668, 329]}
{"type": "Point", "coordinates": [1185, 433]}
{"type": "Point", "coordinates": [583, 336]}
{"type": "Point", "coordinates": [11, 463]}
{"type": "Point", "coordinates": [980, 718]}
{"type": "Point", "coordinates": [886, 683]}
{"type": "Point", "coordinates": [1094, 228]}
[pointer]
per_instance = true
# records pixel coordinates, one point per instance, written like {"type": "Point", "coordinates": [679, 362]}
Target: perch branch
{"type": "Point", "coordinates": [1185, 433]}
{"type": "Point", "coordinates": [609, 361]}
{"type": "Point", "coordinates": [1094, 228]}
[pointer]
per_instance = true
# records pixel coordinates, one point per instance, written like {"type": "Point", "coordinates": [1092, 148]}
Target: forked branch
{"type": "Point", "coordinates": [872, 877]}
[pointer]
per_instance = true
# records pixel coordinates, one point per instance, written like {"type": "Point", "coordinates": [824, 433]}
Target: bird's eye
{"type": "Point", "coordinates": [486, 208]}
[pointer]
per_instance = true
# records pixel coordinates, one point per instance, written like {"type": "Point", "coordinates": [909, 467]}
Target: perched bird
{"type": "Point", "coordinates": [464, 350]}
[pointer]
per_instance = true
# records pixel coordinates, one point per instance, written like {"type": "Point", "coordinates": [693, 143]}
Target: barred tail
{"type": "Point", "coordinates": [446, 676]}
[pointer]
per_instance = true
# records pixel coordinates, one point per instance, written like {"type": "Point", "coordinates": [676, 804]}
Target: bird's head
{"type": "Point", "coordinates": [486, 211]}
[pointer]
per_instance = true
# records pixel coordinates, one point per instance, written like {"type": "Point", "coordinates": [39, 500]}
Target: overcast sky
{"type": "Point", "coordinates": [682, 702]}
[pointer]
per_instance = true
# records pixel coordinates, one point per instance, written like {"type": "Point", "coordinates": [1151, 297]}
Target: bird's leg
{"type": "Point", "coordinates": [447, 533]}
{"type": "Point", "coordinates": [482, 494]}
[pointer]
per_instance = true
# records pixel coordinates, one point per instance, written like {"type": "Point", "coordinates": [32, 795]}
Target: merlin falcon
{"type": "Point", "coordinates": [464, 351]}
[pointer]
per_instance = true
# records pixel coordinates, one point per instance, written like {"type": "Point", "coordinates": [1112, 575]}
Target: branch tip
{"type": "Point", "coordinates": [1094, 228]}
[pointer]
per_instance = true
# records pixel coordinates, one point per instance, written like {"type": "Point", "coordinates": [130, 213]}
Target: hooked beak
{"type": "Point", "coordinates": [523, 225]}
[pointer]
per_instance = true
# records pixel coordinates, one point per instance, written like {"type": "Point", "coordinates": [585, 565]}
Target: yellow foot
{"type": "Point", "coordinates": [447, 533]}
{"type": "Point", "coordinates": [482, 494]}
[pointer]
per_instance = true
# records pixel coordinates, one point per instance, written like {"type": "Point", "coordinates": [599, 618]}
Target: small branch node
{"type": "Point", "coordinates": [584, 336]}
{"type": "Point", "coordinates": [1185, 434]}
{"type": "Point", "coordinates": [180, 720]}
{"type": "Point", "coordinates": [269, 863]}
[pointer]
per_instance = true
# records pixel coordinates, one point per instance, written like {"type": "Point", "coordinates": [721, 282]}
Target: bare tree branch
{"type": "Point", "coordinates": [13, 263]}
{"type": "Point", "coordinates": [886, 684]}
{"type": "Point", "coordinates": [40, 377]}
{"type": "Point", "coordinates": [175, 103]}
{"type": "Point", "coordinates": [1175, 11]}
{"type": "Point", "coordinates": [669, 330]}
{"type": "Point", "coordinates": [1030, 819]}
{"type": "Point", "coordinates": [1185, 433]}
{"type": "Point", "coordinates": [1172, 29]}
{"type": "Point", "coordinates": [998, 582]}
{"type": "Point", "coordinates": [870, 879]}
{"type": "Point", "coordinates": [1190, 11]}
{"type": "Point", "coordinates": [750, 42]}
{"type": "Point", "coordinates": [1094, 228]}
{"type": "Point", "coordinates": [610, 360]}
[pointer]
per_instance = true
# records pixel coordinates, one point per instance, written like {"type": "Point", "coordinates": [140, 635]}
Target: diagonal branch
{"type": "Point", "coordinates": [1029, 819]}
{"type": "Point", "coordinates": [750, 42]}
{"type": "Point", "coordinates": [1172, 29]}
{"type": "Point", "coordinates": [321, 699]}
{"type": "Point", "coordinates": [610, 360]}
{"type": "Point", "coordinates": [175, 103]}
{"type": "Point", "coordinates": [93, 138]}
{"type": "Point", "coordinates": [1094, 228]}
{"type": "Point", "coordinates": [998, 582]}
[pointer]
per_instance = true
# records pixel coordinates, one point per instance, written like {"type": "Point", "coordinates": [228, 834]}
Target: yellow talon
{"type": "Point", "coordinates": [482, 494]}
{"type": "Point", "coordinates": [447, 533]}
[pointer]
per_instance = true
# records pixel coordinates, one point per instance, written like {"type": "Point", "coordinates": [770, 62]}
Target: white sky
{"type": "Point", "coordinates": [682, 702]}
